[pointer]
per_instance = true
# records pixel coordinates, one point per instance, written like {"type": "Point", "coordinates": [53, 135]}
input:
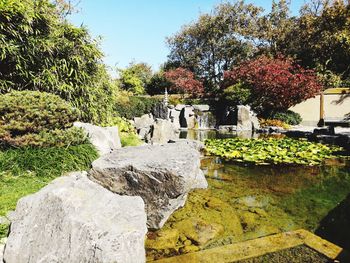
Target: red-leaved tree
{"type": "Point", "coordinates": [183, 81]}
{"type": "Point", "coordinates": [274, 83]}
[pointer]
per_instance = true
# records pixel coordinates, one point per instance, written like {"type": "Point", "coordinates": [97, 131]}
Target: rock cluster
{"type": "Point", "coordinates": [102, 216]}
{"type": "Point", "coordinates": [155, 131]}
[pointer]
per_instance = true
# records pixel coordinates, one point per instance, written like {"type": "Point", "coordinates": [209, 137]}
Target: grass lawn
{"type": "Point", "coordinates": [25, 171]}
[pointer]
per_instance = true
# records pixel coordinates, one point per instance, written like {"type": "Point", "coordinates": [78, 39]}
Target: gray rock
{"type": "Point", "coordinates": [76, 220]}
{"type": "Point", "coordinates": [105, 139]}
{"type": "Point", "coordinates": [160, 111]}
{"type": "Point", "coordinates": [144, 121]}
{"type": "Point", "coordinates": [163, 131]}
{"type": "Point", "coordinates": [243, 118]}
{"type": "Point", "coordinates": [174, 117]}
{"type": "Point", "coordinates": [2, 247]}
{"type": "Point", "coordinates": [198, 145]}
{"type": "Point", "coordinates": [161, 174]}
{"type": "Point", "coordinates": [201, 107]}
{"type": "Point", "coordinates": [255, 122]}
{"type": "Point", "coordinates": [179, 107]}
{"type": "Point", "coordinates": [145, 133]}
{"type": "Point", "coordinates": [4, 220]}
{"type": "Point", "coordinates": [187, 118]}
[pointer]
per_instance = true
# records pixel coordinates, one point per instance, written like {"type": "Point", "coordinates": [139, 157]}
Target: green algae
{"type": "Point", "coordinates": [246, 202]}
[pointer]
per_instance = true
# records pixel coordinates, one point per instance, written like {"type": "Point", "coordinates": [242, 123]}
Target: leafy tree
{"type": "Point", "coordinates": [274, 28]}
{"type": "Point", "coordinates": [216, 41]}
{"type": "Point", "coordinates": [183, 81]}
{"type": "Point", "coordinates": [135, 77]}
{"type": "Point", "coordinates": [41, 51]}
{"type": "Point", "coordinates": [157, 84]}
{"type": "Point", "coordinates": [321, 39]}
{"type": "Point", "coordinates": [275, 84]}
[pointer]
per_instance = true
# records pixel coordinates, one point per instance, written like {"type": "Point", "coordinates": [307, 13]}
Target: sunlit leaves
{"type": "Point", "coordinates": [275, 84]}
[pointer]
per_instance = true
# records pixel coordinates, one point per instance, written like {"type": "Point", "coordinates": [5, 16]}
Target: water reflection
{"type": "Point", "coordinates": [201, 135]}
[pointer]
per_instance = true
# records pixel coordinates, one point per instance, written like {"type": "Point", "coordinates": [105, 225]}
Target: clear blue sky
{"type": "Point", "coordinates": [135, 30]}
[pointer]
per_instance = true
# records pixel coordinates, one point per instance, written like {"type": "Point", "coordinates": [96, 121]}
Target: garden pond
{"type": "Point", "coordinates": [244, 202]}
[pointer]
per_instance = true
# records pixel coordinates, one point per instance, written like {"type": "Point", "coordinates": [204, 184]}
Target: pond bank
{"type": "Point", "coordinates": [247, 202]}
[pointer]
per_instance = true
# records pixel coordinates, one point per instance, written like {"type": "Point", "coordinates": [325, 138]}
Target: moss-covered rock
{"type": "Point", "coordinates": [164, 239]}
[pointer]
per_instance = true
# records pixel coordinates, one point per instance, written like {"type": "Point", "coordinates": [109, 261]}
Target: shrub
{"type": "Point", "coordinates": [276, 84]}
{"type": "Point", "coordinates": [237, 94]}
{"type": "Point", "coordinates": [271, 122]}
{"type": "Point", "coordinates": [289, 117]}
{"type": "Point", "coordinates": [135, 106]}
{"type": "Point", "coordinates": [33, 118]}
{"type": "Point", "coordinates": [183, 81]}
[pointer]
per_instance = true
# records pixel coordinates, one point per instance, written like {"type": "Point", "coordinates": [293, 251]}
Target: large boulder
{"type": "Point", "coordinates": [144, 121]}
{"type": "Point", "coordinates": [160, 111]}
{"type": "Point", "coordinates": [187, 117]}
{"type": "Point", "coordinates": [198, 145]}
{"type": "Point", "coordinates": [163, 131]}
{"type": "Point", "coordinates": [243, 118]}
{"type": "Point", "coordinates": [105, 139]}
{"type": "Point", "coordinates": [246, 119]}
{"type": "Point", "coordinates": [161, 174]}
{"type": "Point", "coordinates": [76, 220]}
{"type": "Point", "coordinates": [2, 247]}
{"type": "Point", "coordinates": [174, 116]}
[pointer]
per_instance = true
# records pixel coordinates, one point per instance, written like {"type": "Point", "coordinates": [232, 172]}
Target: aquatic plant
{"type": "Point", "coordinates": [271, 150]}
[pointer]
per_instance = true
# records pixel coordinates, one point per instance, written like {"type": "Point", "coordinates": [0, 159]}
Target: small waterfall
{"type": "Point", "coordinates": [203, 120]}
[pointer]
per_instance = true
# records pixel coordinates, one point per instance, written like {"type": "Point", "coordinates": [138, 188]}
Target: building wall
{"type": "Point", "coordinates": [310, 109]}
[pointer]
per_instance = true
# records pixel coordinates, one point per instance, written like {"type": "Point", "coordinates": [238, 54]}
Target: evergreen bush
{"type": "Point", "coordinates": [40, 119]}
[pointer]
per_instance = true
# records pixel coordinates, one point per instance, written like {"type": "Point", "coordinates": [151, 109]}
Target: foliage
{"type": "Point", "coordinates": [273, 122]}
{"type": "Point", "coordinates": [33, 111]}
{"type": "Point", "coordinates": [41, 51]}
{"type": "Point", "coordinates": [33, 118]}
{"type": "Point", "coordinates": [157, 84]}
{"type": "Point", "coordinates": [135, 106]}
{"type": "Point", "coordinates": [237, 94]}
{"type": "Point", "coordinates": [289, 117]}
{"type": "Point", "coordinates": [271, 151]}
{"type": "Point", "coordinates": [233, 32]}
{"type": "Point", "coordinates": [135, 78]}
{"type": "Point", "coordinates": [321, 38]}
{"type": "Point", "coordinates": [183, 81]}
{"type": "Point", "coordinates": [215, 42]}
{"type": "Point", "coordinates": [47, 162]}
{"type": "Point", "coordinates": [274, 28]}
{"type": "Point", "coordinates": [49, 138]}
{"type": "Point", "coordinates": [129, 139]}
{"type": "Point", "coordinates": [275, 84]}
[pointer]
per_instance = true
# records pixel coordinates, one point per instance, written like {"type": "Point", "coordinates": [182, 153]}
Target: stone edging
{"type": "Point", "coordinates": [258, 247]}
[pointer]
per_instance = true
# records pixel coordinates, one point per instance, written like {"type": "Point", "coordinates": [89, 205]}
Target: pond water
{"type": "Point", "coordinates": [246, 202]}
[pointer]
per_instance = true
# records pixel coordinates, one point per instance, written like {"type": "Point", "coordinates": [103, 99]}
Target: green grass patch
{"type": "Point", "coordinates": [271, 150]}
{"type": "Point", "coordinates": [129, 139]}
{"type": "Point", "coordinates": [25, 171]}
